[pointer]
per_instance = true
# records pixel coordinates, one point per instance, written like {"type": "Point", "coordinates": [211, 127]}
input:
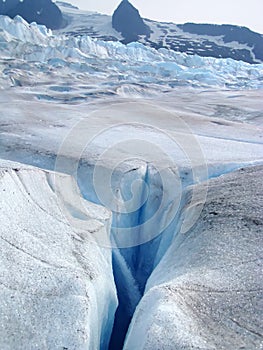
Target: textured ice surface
{"type": "Point", "coordinates": [32, 132]}
{"type": "Point", "coordinates": [57, 288]}
{"type": "Point", "coordinates": [130, 110]}
{"type": "Point", "coordinates": [47, 124]}
{"type": "Point", "coordinates": [107, 68]}
{"type": "Point", "coordinates": [206, 292]}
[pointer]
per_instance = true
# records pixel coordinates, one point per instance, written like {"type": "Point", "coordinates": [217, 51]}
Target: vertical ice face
{"type": "Point", "coordinates": [134, 264]}
{"type": "Point", "coordinates": [206, 291]}
{"type": "Point", "coordinates": [57, 288]}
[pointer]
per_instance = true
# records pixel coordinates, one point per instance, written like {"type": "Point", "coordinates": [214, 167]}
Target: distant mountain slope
{"type": "Point", "coordinates": [40, 11]}
{"type": "Point", "coordinates": [206, 40]}
{"type": "Point", "coordinates": [127, 20]}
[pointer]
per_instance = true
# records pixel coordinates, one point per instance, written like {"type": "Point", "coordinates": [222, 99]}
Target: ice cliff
{"type": "Point", "coordinates": [205, 292]}
{"type": "Point", "coordinates": [57, 288]}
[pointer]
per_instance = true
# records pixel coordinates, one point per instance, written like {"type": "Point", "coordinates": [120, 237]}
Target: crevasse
{"type": "Point", "coordinates": [132, 266]}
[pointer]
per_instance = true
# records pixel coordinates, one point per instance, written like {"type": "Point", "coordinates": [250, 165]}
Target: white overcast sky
{"type": "Point", "coordinates": [247, 13]}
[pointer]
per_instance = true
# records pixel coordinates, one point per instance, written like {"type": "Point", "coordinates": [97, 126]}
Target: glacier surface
{"type": "Point", "coordinates": [57, 286]}
{"type": "Point", "coordinates": [141, 131]}
{"type": "Point", "coordinates": [206, 291]}
{"type": "Point", "coordinates": [108, 67]}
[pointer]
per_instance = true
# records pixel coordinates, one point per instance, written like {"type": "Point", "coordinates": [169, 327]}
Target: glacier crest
{"type": "Point", "coordinates": [124, 64]}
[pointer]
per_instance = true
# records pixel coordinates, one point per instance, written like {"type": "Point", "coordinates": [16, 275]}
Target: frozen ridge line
{"type": "Point", "coordinates": [130, 64]}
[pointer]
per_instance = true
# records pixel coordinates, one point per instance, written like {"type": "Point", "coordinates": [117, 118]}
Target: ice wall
{"type": "Point", "coordinates": [205, 292]}
{"type": "Point", "coordinates": [57, 288]}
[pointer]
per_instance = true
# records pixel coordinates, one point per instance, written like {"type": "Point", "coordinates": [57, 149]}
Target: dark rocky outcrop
{"type": "Point", "coordinates": [229, 33]}
{"type": "Point", "coordinates": [6, 6]}
{"type": "Point", "coordinates": [126, 19]}
{"type": "Point", "coordinates": [40, 11]}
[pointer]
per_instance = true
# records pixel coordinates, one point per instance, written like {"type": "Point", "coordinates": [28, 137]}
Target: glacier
{"type": "Point", "coordinates": [29, 47]}
{"type": "Point", "coordinates": [51, 288]}
{"type": "Point", "coordinates": [159, 143]}
{"type": "Point", "coordinates": [205, 293]}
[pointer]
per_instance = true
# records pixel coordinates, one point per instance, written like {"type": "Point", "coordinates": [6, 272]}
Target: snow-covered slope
{"type": "Point", "coordinates": [206, 40]}
{"type": "Point", "coordinates": [57, 288]}
{"type": "Point", "coordinates": [221, 41]}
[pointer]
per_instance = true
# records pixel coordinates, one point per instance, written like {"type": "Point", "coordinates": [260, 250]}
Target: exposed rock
{"type": "Point", "coordinates": [229, 34]}
{"type": "Point", "coordinates": [41, 11]}
{"type": "Point", "coordinates": [7, 5]}
{"type": "Point", "coordinates": [205, 40]}
{"type": "Point", "coordinates": [127, 20]}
